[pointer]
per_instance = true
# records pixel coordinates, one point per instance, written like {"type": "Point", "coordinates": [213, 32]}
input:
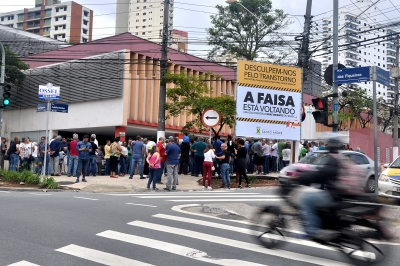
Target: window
{"type": "Point", "coordinates": [2, 18]}
{"type": "Point", "coordinates": [85, 13]}
{"type": "Point", "coordinates": [137, 20]}
{"type": "Point", "coordinates": [143, 33]}
{"type": "Point", "coordinates": [144, 14]}
{"type": "Point", "coordinates": [144, 7]}
{"type": "Point", "coordinates": [64, 27]}
{"type": "Point", "coordinates": [137, 27]}
{"type": "Point", "coordinates": [138, 8]}
{"type": "Point", "coordinates": [144, 20]}
{"type": "Point", "coordinates": [84, 31]}
{"type": "Point", "coordinates": [85, 22]}
{"type": "Point", "coordinates": [56, 19]}
{"type": "Point", "coordinates": [143, 27]}
{"type": "Point", "coordinates": [137, 14]}
{"type": "Point", "coordinates": [65, 18]}
{"type": "Point", "coordinates": [84, 40]}
{"type": "Point", "coordinates": [57, 9]}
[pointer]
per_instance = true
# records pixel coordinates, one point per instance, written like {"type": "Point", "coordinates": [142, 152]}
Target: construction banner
{"type": "Point", "coordinates": [268, 102]}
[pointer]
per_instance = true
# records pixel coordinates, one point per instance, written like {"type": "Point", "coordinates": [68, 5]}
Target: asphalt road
{"type": "Point", "coordinates": [75, 228]}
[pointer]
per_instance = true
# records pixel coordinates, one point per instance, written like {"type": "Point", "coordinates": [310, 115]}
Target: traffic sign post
{"type": "Point", "coordinates": [210, 118]}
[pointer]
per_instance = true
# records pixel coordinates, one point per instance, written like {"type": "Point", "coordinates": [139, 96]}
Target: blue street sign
{"type": "Point", "coordinates": [383, 76]}
{"type": "Point", "coordinates": [41, 107]}
{"type": "Point", "coordinates": [336, 107]}
{"type": "Point", "coordinates": [59, 107]}
{"type": "Point", "coordinates": [352, 75]}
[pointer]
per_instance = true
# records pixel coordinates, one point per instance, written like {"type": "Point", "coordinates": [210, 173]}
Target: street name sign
{"type": "Point", "coordinates": [383, 76]}
{"type": "Point", "coordinates": [49, 92]}
{"type": "Point", "coordinates": [59, 108]}
{"type": "Point", "coordinates": [211, 118]}
{"type": "Point", "coordinates": [352, 75]}
{"type": "Point", "coordinates": [41, 107]}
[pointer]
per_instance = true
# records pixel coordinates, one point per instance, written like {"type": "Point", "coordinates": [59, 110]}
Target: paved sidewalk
{"type": "Point", "coordinates": [105, 184]}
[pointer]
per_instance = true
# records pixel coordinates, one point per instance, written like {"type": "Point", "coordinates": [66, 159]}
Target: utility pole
{"type": "Point", "coordinates": [396, 105]}
{"type": "Point", "coordinates": [335, 57]}
{"type": "Point", "coordinates": [163, 69]}
{"type": "Point", "coordinates": [2, 79]}
{"type": "Point", "coordinates": [304, 49]}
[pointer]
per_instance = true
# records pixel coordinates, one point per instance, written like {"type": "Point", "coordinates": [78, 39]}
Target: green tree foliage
{"type": "Point", "coordinates": [237, 32]}
{"type": "Point", "coordinates": [14, 67]}
{"type": "Point", "coordinates": [385, 117]}
{"type": "Point", "coordinates": [190, 97]}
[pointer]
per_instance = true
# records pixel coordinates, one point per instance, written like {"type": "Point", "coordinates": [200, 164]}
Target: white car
{"type": "Point", "coordinates": [389, 180]}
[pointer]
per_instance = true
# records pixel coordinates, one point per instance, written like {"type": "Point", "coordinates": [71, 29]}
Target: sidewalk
{"type": "Point", "coordinates": [105, 184]}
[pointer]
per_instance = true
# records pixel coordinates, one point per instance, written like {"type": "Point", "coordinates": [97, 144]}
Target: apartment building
{"type": "Point", "coordinates": [362, 42]}
{"type": "Point", "coordinates": [64, 21]}
{"type": "Point", "coordinates": [145, 19]}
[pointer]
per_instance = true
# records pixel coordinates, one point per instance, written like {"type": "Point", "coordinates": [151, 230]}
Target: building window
{"type": "Point", "coordinates": [137, 14]}
{"type": "Point", "coordinates": [144, 20]}
{"type": "Point", "coordinates": [144, 7]}
{"type": "Point", "coordinates": [85, 22]}
{"type": "Point", "coordinates": [57, 9]}
{"type": "Point", "coordinates": [144, 27]}
{"type": "Point", "coordinates": [138, 1]}
{"type": "Point", "coordinates": [2, 18]}
{"type": "Point", "coordinates": [137, 27]}
{"type": "Point", "coordinates": [137, 20]}
{"type": "Point", "coordinates": [138, 7]}
{"type": "Point", "coordinates": [143, 33]}
{"type": "Point", "coordinates": [65, 8]}
{"type": "Point", "coordinates": [84, 40]}
{"type": "Point", "coordinates": [85, 13]}
{"type": "Point", "coordinates": [144, 14]}
{"type": "Point", "coordinates": [84, 31]}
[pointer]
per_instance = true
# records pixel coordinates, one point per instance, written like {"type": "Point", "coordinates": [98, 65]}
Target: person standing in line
{"type": "Point", "coordinates": [55, 146]}
{"type": "Point", "coordinates": [99, 159]}
{"type": "Point", "coordinates": [218, 152]}
{"type": "Point", "coordinates": [14, 153]}
{"type": "Point", "coordinates": [92, 158]}
{"type": "Point", "coordinates": [274, 154]}
{"type": "Point", "coordinates": [62, 157]}
{"type": "Point", "coordinates": [225, 159]}
{"type": "Point", "coordinates": [44, 152]}
{"type": "Point", "coordinates": [25, 151]}
{"type": "Point", "coordinates": [107, 154]}
{"type": "Point", "coordinates": [95, 140]}
{"type": "Point", "coordinates": [161, 149]}
{"type": "Point", "coordinates": [3, 148]}
{"type": "Point", "coordinates": [138, 151]}
{"type": "Point", "coordinates": [115, 153]}
{"type": "Point", "coordinates": [184, 159]}
{"type": "Point", "coordinates": [287, 154]}
{"type": "Point", "coordinates": [258, 156]}
{"type": "Point", "coordinates": [207, 166]}
{"type": "Point", "coordinates": [267, 155]}
{"type": "Point", "coordinates": [241, 160]}
{"type": "Point", "coordinates": [83, 147]}
{"type": "Point", "coordinates": [129, 158]}
{"type": "Point", "coordinates": [35, 160]}
{"type": "Point", "coordinates": [154, 161]}
{"type": "Point", "coordinates": [198, 148]}
{"type": "Point", "coordinates": [281, 145]}
{"type": "Point", "coordinates": [172, 151]}
{"type": "Point", "coordinates": [122, 158]}
{"type": "Point", "coordinates": [231, 148]}
{"type": "Point", "coordinates": [73, 156]}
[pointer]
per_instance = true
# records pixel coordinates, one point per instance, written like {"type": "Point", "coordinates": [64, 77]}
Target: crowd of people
{"type": "Point", "coordinates": [172, 157]}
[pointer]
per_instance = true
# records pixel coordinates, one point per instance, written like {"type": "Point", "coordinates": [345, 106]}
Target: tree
{"type": "Point", "coordinates": [385, 117]}
{"type": "Point", "coordinates": [14, 67]}
{"type": "Point", "coordinates": [190, 97]}
{"type": "Point", "coordinates": [237, 32]}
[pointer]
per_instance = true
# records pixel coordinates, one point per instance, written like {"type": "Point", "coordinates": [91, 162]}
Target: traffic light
{"type": "Point", "coordinates": [6, 95]}
{"type": "Point", "coordinates": [320, 116]}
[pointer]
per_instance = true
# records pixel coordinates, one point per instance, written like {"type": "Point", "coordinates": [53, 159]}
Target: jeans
{"type": "Point", "coordinates": [108, 166]}
{"type": "Point", "coordinates": [72, 165]}
{"type": "Point", "coordinates": [280, 163]}
{"type": "Point", "coordinates": [136, 160]}
{"type": "Point", "coordinates": [251, 163]}
{"type": "Point", "coordinates": [311, 201]}
{"type": "Point", "coordinates": [82, 165]}
{"type": "Point", "coordinates": [172, 170]}
{"type": "Point", "coordinates": [41, 163]}
{"type": "Point", "coordinates": [266, 164]}
{"type": "Point", "coordinates": [122, 161]}
{"type": "Point", "coordinates": [160, 172]}
{"type": "Point", "coordinates": [14, 159]}
{"type": "Point", "coordinates": [184, 165]}
{"type": "Point", "coordinates": [54, 162]}
{"type": "Point", "coordinates": [91, 167]}
{"type": "Point", "coordinates": [153, 175]}
{"type": "Point", "coordinates": [198, 165]}
{"type": "Point", "coordinates": [34, 165]}
{"type": "Point", "coordinates": [24, 164]}
{"type": "Point", "coordinates": [226, 179]}
{"type": "Point", "coordinates": [232, 164]}
{"type": "Point", "coordinates": [217, 166]}
{"type": "Point", "coordinates": [274, 164]}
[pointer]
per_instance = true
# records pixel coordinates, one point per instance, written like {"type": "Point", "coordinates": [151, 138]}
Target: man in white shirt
{"type": "Point", "coordinates": [267, 155]}
{"type": "Point", "coordinates": [274, 154]}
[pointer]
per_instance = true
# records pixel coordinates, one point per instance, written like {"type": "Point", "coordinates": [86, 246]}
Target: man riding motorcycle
{"type": "Point", "coordinates": [326, 175]}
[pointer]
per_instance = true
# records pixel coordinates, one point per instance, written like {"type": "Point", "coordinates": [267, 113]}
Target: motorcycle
{"type": "Point", "coordinates": [359, 225]}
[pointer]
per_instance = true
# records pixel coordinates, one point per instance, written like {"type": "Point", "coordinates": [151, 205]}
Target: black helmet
{"type": "Point", "coordinates": [334, 142]}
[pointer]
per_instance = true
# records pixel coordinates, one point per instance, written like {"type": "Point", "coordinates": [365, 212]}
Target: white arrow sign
{"type": "Point", "coordinates": [211, 118]}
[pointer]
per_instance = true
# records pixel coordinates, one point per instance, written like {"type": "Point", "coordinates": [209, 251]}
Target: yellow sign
{"type": "Point", "coordinates": [268, 76]}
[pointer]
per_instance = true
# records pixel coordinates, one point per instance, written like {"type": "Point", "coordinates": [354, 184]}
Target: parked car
{"type": "Point", "coordinates": [357, 158]}
{"type": "Point", "coordinates": [389, 180]}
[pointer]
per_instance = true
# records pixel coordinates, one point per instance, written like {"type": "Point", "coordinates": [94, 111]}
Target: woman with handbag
{"type": "Point", "coordinates": [154, 161]}
{"type": "Point", "coordinates": [208, 165]}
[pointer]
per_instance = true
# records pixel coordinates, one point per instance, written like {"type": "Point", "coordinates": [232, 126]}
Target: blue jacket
{"type": "Point", "coordinates": [173, 152]}
{"type": "Point", "coordinates": [85, 153]}
{"type": "Point", "coordinates": [55, 146]}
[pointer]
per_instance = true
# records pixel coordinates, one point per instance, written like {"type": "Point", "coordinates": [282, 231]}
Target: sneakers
{"type": "Point", "coordinates": [167, 189]}
{"type": "Point", "coordinates": [240, 186]}
{"type": "Point", "coordinates": [229, 187]}
{"type": "Point", "coordinates": [248, 185]}
{"type": "Point", "coordinates": [130, 177]}
{"type": "Point", "coordinates": [154, 189]}
{"type": "Point", "coordinates": [256, 172]}
{"type": "Point", "coordinates": [203, 187]}
{"type": "Point", "coordinates": [209, 188]}
{"type": "Point", "coordinates": [84, 180]}
{"type": "Point", "coordinates": [174, 188]}
{"type": "Point", "coordinates": [77, 180]}
{"type": "Point", "coordinates": [148, 188]}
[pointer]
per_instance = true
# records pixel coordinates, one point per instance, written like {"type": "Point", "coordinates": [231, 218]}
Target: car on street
{"type": "Point", "coordinates": [357, 158]}
{"type": "Point", "coordinates": [389, 180]}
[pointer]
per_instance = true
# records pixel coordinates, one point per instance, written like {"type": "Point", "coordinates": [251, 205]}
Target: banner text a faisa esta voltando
{"type": "Point", "coordinates": [268, 103]}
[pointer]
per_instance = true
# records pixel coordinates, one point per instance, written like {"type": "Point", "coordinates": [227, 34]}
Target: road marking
{"type": "Point", "coordinates": [174, 249]}
{"type": "Point", "coordinates": [142, 205]}
{"type": "Point", "coordinates": [23, 263]}
{"type": "Point", "coordinates": [183, 193]}
{"type": "Point", "coordinates": [5, 191]}
{"type": "Point", "coordinates": [208, 196]}
{"type": "Point", "coordinates": [237, 244]}
{"type": "Point", "coordinates": [100, 256]}
{"type": "Point", "coordinates": [84, 198]}
{"type": "Point", "coordinates": [40, 194]}
{"type": "Point", "coordinates": [230, 200]}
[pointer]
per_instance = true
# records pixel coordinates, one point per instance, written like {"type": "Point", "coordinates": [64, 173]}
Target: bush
{"type": "Point", "coordinates": [49, 183]}
{"type": "Point", "coordinates": [26, 176]}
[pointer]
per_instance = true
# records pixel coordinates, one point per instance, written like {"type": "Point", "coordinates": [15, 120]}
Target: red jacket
{"type": "Point", "coordinates": [72, 148]}
{"type": "Point", "coordinates": [162, 152]}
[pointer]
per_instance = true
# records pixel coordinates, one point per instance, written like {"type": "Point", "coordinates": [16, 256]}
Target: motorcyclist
{"type": "Point", "coordinates": [326, 175]}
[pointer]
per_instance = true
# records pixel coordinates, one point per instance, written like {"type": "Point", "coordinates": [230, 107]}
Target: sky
{"type": "Point", "coordinates": [193, 16]}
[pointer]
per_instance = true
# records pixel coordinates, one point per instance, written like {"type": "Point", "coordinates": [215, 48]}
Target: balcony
{"type": "Point", "coordinates": [350, 27]}
{"type": "Point", "coordinates": [353, 51]}
{"type": "Point", "coordinates": [352, 58]}
{"type": "Point", "coordinates": [33, 25]}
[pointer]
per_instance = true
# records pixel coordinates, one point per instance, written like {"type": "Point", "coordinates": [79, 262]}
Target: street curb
{"type": "Point", "coordinates": [29, 189]}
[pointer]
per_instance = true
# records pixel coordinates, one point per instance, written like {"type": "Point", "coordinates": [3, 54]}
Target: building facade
{"type": "Point", "coordinates": [355, 49]}
{"type": "Point", "coordinates": [69, 22]}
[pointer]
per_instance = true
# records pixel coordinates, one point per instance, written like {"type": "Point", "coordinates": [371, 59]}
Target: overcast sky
{"type": "Point", "coordinates": [194, 15]}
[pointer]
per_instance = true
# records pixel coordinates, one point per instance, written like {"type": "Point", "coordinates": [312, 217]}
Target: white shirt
{"type": "Point", "coordinates": [124, 150]}
{"type": "Point", "coordinates": [208, 156]}
{"type": "Point", "coordinates": [275, 151]}
{"type": "Point", "coordinates": [266, 149]}
{"type": "Point", "coordinates": [35, 151]}
{"type": "Point", "coordinates": [286, 154]}
{"type": "Point", "coordinates": [315, 148]}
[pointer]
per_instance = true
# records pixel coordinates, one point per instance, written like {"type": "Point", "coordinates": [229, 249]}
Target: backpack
{"type": "Point", "coordinates": [350, 179]}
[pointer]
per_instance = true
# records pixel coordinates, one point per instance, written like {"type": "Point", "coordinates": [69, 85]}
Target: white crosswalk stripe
{"type": "Point", "coordinates": [23, 263]}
